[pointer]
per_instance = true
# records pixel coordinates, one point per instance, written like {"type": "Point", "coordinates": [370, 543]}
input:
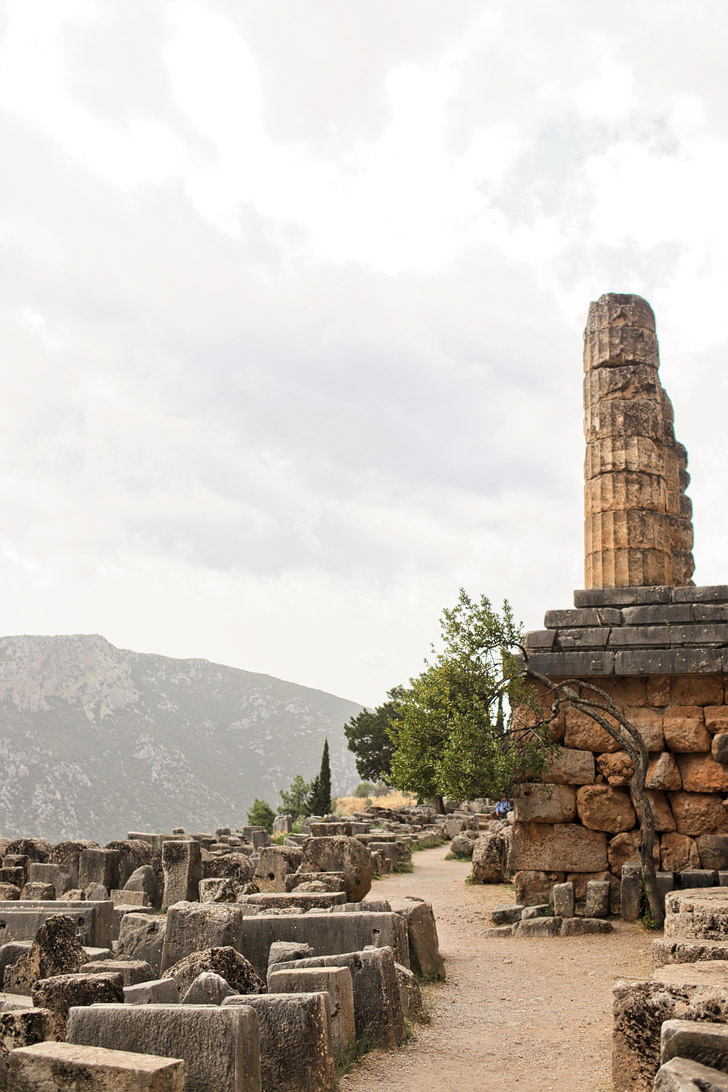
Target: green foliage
{"type": "Point", "coordinates": [450, 733]}
{"type": "Point", "coordinates": [367, 735]}
{"type": "Point", "coordinates": [319, 800]}
{"type": "Point", "coordinates": [363, 790]}
{"type": "Point", "coordinates": [294, 800]}
{"type": "Point", "coordinates": [261, 815]}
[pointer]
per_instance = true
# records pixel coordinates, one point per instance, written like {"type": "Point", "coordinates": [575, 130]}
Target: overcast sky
{"type": "Point", "coordinates": [292, 304]}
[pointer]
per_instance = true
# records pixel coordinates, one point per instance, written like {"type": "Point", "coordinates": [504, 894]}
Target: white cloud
{"type": "Point", "coordinates": [292, 299]}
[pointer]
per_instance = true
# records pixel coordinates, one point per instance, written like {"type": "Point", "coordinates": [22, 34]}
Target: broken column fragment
{"type": "Point", "coordinates": [638, 521]}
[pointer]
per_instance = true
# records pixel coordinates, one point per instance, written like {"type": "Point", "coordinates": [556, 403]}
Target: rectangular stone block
{"type": "Point", "coordinates": [182, 867]}
{"type": "Point", "coordinates": [564, 847]}
{"type": "Point", "coordinates": [570, 767]}
{"type": "Point", "coordinates": [534, 802]}
{"type": "Point", "coordinates": [47, 1066]}
{"type": "Point", "coordinates": [328, 934]}
{"type": "Point", "coordinates": [377, 1007]}
{"type": "Point", "coordinates": [296, 1048]}
{"type": "Point", "coordinates": [715, 593]}
{"type": "Point", "coordinates": [684, 1075]}
{"type": "Point", "coordinates": [588, 617]}
{"type": "Point", "coordinates": [158, 991]}
{"type": "Point", "coordinates": [337, 984]}
{"type": "Point", "coordinates": [622, 597]}
{"type": "Point", "coordinates": [220, 1047]}
{"type": "Point", "coordinates": [99, 866]}
{"type": "Point", "coordinates": [94, 920]}
{"type": "Point", "coordinates": [569, 664]}
{"type": "Point", "coordinates": [704, 1043]}
{"type": "Point", "coordinates": [657, 614]}
{"type": "Point", "coordinates": [192, 927]}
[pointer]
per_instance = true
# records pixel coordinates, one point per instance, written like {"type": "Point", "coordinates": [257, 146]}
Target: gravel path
{"type": "Point", "coordinates": [530, 1013]}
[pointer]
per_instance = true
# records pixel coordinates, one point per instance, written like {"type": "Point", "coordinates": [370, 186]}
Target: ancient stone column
{"type": "Point", "coordinates": [638, 521]}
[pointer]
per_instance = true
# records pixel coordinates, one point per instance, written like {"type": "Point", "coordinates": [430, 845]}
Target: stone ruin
{"type": "Point", "coordinates": [640, 630]}
{"type": "Point", "coordinates": [210, 963]}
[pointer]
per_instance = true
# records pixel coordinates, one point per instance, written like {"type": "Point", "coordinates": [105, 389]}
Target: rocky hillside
{"type": "Point", "coordinates": [96, 741]}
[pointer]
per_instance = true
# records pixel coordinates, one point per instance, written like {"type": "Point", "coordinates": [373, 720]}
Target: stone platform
{"type": "Point", "coordinates": [635, 631]}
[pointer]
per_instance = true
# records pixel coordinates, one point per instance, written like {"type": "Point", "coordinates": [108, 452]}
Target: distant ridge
{"type": "Point", "coordinates": [96, 740]}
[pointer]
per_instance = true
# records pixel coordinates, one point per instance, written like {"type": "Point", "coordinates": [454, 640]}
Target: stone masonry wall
{"type": "Point", "coordinates": [580, 824]}
{"type": "Point", "coordinates": [662, 655]}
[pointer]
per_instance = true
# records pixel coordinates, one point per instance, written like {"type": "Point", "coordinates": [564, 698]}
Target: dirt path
{"type": "Point", "coordinates": [533, 1013]}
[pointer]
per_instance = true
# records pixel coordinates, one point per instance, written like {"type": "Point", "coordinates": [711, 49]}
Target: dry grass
{"type": "Point", "coordinates": [347, 805]}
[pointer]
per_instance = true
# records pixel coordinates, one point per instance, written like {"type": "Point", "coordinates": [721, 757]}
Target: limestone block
{"type": "Point", "coordinates": [99, 866]}
{"type": "Point", "coordinates": [47, 1066]}
{"type": "Point", "coordinates": [624, 849]}
{"type": "Point", "coordinates": [563, 894]}
{"type": "Point", "coordinates": [616, 768]}
{"type": "Point", "coordinates": [341, 853]}
{"type": "Point", "coordinates": [685, 730]}
{"type": "Point", "coordinates": [538, 927]}
{"type": "Point", "coordinates": [52, 874]}
{"type": "Point", "coordinates": [424, 948]}
{"type": "Point", "coordinates": [713, 850]}
{"type": "Point", "coordinates": [132, 971]}
{"type": "Point", "coordinates": [716, 718]}
{"type": "Point", "coordinates": [701, 914]}
{"type": "Point", "coordinates": [377, 1006]}
{"type": "Point", "coordinates": [337, 983]}
{"type": "Point", "coordinates": [158, 991]}
{"type": "Point", "coordinates": [274, 864]}
{"type": "Point", "coordinates": [658, 690]}
{"type": "Point", "coordinates": [581, 880]}
{"type": "Point", "coordinates": [219, 1046]}
{"type": "Point", "coordinates": [640, 1009]}
{"type": "Point", "coordinates": [698, 813]}
{"type": "Point", "coordinates": [54, 951]}
{"type": "Point", "coordinates": [535, 886]}
{"type": "Point", "coordinates": [23, 1028]}
{"type": "Point", "coordinates": [598, 895]}
{"type": "Point", "coordinates": [489, 858]}
{"type": "Point", "coordinates": [678, 852]}
{"type": "Point", "coordinates": [580, 927]}
{"type": "Point", "coordinates": [697, 690]}
{"type": "Point", "coordinates": [583, 733]}
{"type": "Point", "coordinates": [558, 847]}
{"type": "Point", "coordinates": [232, 866]}
{"type": "Point", "coordinates": [192, 927]}
{"type": "Point", "coordinates": [601, 807]}
{"type": "Point", "coordinates": [45, 892]}
{"type": "Point", "coordinates": [664, 819]}
{"type": "Point", "coordinates": [507, 914]}
{"type": "Point", "coordinates": [701, 773]}
{"type": "Point", "coordinates": [207, 989]}
{"type": "Point", "coordinates": [65, 991]}
{"type": "Point", "coordinates": [663, 772]}
{"type": "Point", "coordinates": [680, 950]}
{"type": "Point", "coordinates": [296, 1049]}
{"type": "Point", "coordinates": [141, 937]}
{"type": "Point", "coordinates": [182, 866]}
{"type": "Point", "coordinates": [570, 767]}
{"type": "Point", "coordinates": [649, 724]}
{"type": "Point", "coordinates": [223, 961]}
{"type": "Point", "coordinates": [544, 803]}
{"type": "Point", "coordinates": [685, 1075]}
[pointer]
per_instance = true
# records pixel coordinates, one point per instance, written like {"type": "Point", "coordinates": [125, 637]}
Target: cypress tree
{"type": "Point", "coordinates": [320, 798]}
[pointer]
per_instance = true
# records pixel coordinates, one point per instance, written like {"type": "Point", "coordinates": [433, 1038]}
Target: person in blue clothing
{"type": "Point", "coordinates": [502, 807]}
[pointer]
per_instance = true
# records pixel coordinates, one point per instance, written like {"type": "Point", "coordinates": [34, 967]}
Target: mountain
{"type": "Point", "coordinates": [96, 741]}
